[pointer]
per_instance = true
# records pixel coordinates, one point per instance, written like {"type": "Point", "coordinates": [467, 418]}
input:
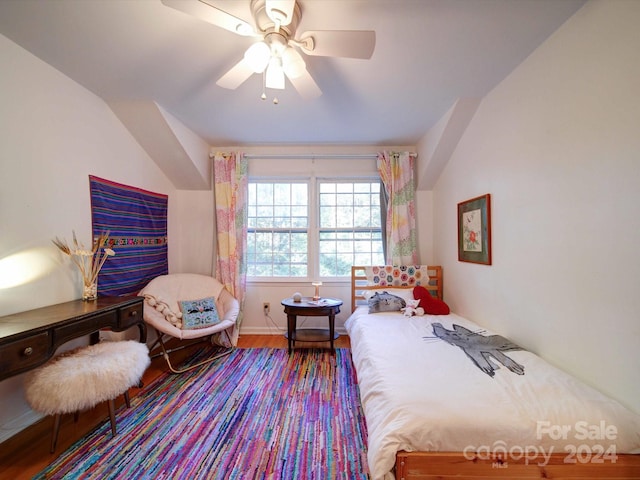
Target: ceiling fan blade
{"type": "Point", "coordinates": [207, 12]}
{"type": "Point", "coordinates": [339, 43]}
{"type": "Point", "coordinates": [280, 11]}
{"type": "Point", "coordinates": [235, 77]}
{"type": "Point", "coordinates": [306, 85]}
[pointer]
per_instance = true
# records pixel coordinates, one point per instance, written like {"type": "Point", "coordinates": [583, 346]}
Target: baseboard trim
{"type": "Point", "coordinates": [18, 424]}
{"type": "Point", "coordinates": [274, 331]}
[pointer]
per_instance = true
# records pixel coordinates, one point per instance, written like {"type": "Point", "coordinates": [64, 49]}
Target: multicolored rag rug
{"type": "Point", "coordinates": [258, 414]}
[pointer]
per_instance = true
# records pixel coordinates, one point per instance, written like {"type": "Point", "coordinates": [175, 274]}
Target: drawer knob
{"type": "Point", "coordinates": [134, 313]}
{"type": "Point", "coordinates": [28, 351]}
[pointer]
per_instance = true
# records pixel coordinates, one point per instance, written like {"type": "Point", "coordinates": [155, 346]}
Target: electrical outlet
{"type": "Point", "coordinates": [266, 307]}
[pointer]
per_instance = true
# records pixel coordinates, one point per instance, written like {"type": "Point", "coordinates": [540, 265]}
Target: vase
{"type": "Point", "coordinates": [89, 291]}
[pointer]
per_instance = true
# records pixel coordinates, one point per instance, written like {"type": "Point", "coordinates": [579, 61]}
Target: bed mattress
{"type": "Point", "coordinates": [442, 383]}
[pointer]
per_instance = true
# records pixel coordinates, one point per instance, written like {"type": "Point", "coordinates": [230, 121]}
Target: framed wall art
{"type": "Point", "coordinates": [474, 230]}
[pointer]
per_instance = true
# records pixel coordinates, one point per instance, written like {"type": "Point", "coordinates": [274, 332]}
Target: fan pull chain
{"type": "Point", "coordinates": [264, 94]}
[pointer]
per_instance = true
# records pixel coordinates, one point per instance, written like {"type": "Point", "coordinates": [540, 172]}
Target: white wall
{"type": "Point", "coordinates": [194, 215]}
{"type": "Point", "coordinates": [424, 226]}
{"type": "Point", "coordinates": [557, 145]}
{"type": "Point", "coordinates": [53, 134]}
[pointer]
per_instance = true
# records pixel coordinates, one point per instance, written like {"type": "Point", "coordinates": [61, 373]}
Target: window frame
{"type": "Point", "coordinates": [351, 180]}
{"type": "Point", "coordinates": [313, 229]}
{"type": "Point", "coordinates": [288, 180]}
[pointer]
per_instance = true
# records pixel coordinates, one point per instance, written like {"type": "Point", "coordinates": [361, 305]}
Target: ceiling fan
{"type": "Point", "coordinates": [277, 53]}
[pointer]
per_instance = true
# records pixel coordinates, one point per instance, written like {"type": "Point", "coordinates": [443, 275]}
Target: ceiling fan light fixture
{"type": "Point", "coordinates": [293, 63]}
{"type": "Point", "coordinates": [275, 74]}
{"type": "Point", "coordinates": [276, 42]}
{"type": "Point", "coordinates": [257, 56]}
{"type": "Point", "coordinates": [278, 53]}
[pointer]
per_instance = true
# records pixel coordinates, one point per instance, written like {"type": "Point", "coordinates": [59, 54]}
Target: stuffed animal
{"type": "Point", "coordinates": [412, 309]}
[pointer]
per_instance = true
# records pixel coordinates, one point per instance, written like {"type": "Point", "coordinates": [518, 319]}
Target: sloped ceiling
{"type": "Point", "coordinates": [429, 54]}
{"type": "Point", "coordinates": [180, 154]}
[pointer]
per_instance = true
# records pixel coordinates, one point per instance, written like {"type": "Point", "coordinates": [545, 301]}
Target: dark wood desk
{"type": "Point", "coordinates": [29, 339]}
{"type": "Point", "coordinates": [328, 308]}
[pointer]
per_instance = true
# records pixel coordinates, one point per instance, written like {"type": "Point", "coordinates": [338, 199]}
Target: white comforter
{"type": "Point", "coordinates": [420, 393]}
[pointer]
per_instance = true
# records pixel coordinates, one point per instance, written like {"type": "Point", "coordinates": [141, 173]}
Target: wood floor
{"type": "Point", "coordinates": [27, 453]}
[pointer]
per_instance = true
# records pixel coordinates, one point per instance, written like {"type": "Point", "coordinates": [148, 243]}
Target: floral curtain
{"type": "Point", "coordinates": [397, 174]}
{"type": "Point", "coordinates": [230, 193]}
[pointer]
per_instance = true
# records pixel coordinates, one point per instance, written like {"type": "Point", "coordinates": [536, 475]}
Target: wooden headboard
{"type": "Point", "coordinates": [359, 284]}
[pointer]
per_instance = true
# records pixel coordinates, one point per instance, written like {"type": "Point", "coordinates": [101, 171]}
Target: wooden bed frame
{"type": "Point", "coordinates": [359, 284]}
{"type": "Point", "coordinates": [443, 465]}
{"type": "Point", "coordinates": [476, 466]}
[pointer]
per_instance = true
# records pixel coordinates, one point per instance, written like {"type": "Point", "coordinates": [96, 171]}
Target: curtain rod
{"type": "Point", "coordinates": [310, 156]}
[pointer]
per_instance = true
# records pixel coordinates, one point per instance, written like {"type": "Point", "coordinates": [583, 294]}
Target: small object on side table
{"type": "Point", "coordinates": [316, 296]}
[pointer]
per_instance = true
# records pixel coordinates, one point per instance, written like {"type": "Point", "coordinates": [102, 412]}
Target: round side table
{"type": "Point", "coordinates": [325, 307]}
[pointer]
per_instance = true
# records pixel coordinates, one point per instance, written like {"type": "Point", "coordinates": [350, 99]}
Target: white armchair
{"type": "Point", "coordinates": [162, 312]}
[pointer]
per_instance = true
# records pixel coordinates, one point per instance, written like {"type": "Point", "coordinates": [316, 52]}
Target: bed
{"type": "Point", "coordinates": [437, 405]}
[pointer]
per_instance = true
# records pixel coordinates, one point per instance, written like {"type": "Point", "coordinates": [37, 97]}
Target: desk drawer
{"type": "Point", "coordinates": [84, 327]}
{"type": "Point", "coordinates": [21, 355]}
{"type": "Point", "coordinates": [129, 316]}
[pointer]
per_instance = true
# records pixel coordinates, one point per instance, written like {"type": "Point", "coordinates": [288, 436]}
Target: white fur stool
{"type": "Point", "coordinates": [80, 379]}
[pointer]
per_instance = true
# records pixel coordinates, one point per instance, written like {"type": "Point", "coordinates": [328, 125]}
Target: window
{"type": "Point", "coordinates": [277, 230]}
{"type": "Point", "coordinates": [349, 226]}
{"type": "Point", "coordinates": [281, 241]}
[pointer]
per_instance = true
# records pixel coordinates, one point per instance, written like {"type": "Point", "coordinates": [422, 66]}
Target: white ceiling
{"type": "Point", "coordinates": [428, 54]}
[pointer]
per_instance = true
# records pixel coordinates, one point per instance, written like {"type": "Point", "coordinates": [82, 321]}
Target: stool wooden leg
{"type": "Point", "coordinates": [126, 399]}
{"type": "Point", "coordinates": [112, 416]}
{"type": "Point", "coordinates": [54, 434]}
